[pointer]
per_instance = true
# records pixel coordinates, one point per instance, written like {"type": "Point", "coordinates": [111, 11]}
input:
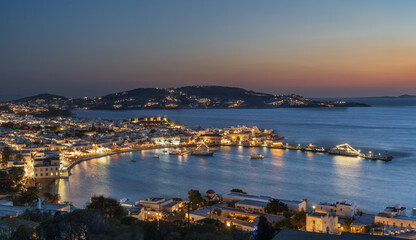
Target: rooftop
{"type": "Point", "coordinates": [291, 234]}
{"type": "Point", "coordinates": [253, 203]}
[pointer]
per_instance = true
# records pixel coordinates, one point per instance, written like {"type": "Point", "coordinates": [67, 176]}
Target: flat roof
{"type": "Point", "coordinates": [252, 203]}
{"type": "Point", "coordinates": [317, 214]}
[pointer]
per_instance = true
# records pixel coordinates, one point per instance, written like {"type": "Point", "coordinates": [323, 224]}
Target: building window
{"type": "Point", "coordinates": [36, 174]}
{"type": "Point", "coordinates": [41, 175]}
{"type": "Point", "coordinates": [46, 169]}
{"type": "Point", "coordinates": [46, 174]}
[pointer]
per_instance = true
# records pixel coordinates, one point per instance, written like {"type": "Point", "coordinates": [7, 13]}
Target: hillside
{"type": "Point", "coordinates": [198, 97]}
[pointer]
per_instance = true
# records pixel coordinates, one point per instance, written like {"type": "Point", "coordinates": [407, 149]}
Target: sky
{"type": "Point", "coordinates": [315, 48]}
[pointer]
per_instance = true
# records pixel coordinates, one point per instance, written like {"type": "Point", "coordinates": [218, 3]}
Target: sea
{"type": "Point", "coordinates": [389, 125]}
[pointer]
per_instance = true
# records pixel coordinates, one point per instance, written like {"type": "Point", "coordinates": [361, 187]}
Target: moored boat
{"type": "Point", "coordinates": [310, 148]}
{"type": "Point", "coordinates": [155, 156]}
{"type": "Point", "coordinates": [371, 156]}
{"type": "Point", "coordinates": [344, 150]}
{"type": "Point", "coordinates": [133, 160]}
{"type": "Point", "coordinates": [202, 150]}
{"type": "Point", "coordinates": [180, 152]}
{"type": "Point", "coordinates": [202, 153]}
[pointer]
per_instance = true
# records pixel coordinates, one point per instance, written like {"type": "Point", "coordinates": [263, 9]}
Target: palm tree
{"type": "Point", "coordinates": [51, 198]}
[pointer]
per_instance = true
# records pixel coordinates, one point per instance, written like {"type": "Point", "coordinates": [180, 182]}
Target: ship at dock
{"type": "Point", "coordinates": [372, 156]}
{"type": "Point", "coordinates": [345, 150]}
{"type": "Point", "coordinates": [202, 150]}
{"type": "Point", "coordinates": [314, 148]}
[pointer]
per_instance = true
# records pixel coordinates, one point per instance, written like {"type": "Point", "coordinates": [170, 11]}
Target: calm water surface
{"type": "Point", "coordinates": [283, 173]}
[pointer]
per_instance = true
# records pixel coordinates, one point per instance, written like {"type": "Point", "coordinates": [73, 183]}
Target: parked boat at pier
{"type": "Point", "coordinates": [202, 150]}
{"type": "Point", "coordinates": [371, 156]}
{"type": "Point", "coordinates": [314, 148]}
{"type": "Point", "coordinates": [345, 150]}
{"type": "Point", "coordinates": [179, 152]}
{"type": "Point", "coordinates": [298, 147]}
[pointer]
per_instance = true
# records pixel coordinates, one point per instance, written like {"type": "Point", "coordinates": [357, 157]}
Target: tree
{"type": "Point", "coordinates": [6, 184]}
{"type": "Point", "coordinates": [238, 191]}
{"type": "Point", "coordinates": [35, 215]}
{"type": "Point", "coordinates": [298, 221]}
{"type": "Point", "coordinates": [108, 206]}
{"type": "Point", "coordinates": [30, 195]}
{"type": "Point", "coordinates": [232, 204]}
{"type": "Point", "coordinates": [51, 198]}
{"type": "Point", "coordinates": [264, 229]}
{"type": "Point", "coordinates": [347, 223]}
{"type": "Point", "coordinates": [195, 198]}
{"type": "Point", "coordinates": [22, 233]}
{"type": "Point", "coordinates": [16, 174]}
{"type": "Point", "coordinates": [5, 153]}
{"type": "Point", "coordinates": [275, 206]}
{"type": "Point", "coordinates": [80, 224]}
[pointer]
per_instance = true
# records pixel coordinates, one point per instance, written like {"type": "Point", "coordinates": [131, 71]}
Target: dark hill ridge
{"type": "Point", "coordinates": [42, 96]}
{"type": "Point", "coordinates": [199, 97]}
{"type": "Point", "coordinates": [187, 97]}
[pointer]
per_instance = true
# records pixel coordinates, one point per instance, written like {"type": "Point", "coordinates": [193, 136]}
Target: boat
{"type": "Point", "coordinates": [371, 156]}
{"type": "Point", "coordinates": [202, 153]}
{"type": "Point", "coordinates": [310, 148]}
{"type": "Point", "coordinates": [155, 156]}
{"type": "Point", "coordinates": [179, 152]}
{"type": "Point", "coordinates": [321, 150]}
{"type": "Point", "coordinates": [202, 150]}
{"type": "Point", "coordinates": [256, 156]}
{"type": "Point", "coordinates": [298, 147]}
{"type": "Point", "coordinates": [345, 150]}
{"type": "Point", "coordinates": [133, 160]}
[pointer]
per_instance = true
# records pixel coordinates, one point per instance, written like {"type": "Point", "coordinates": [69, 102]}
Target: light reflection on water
{"type": "Point", "coordinates": [283, 173]}
{"type": "Point", "coordinates": [289, 174]}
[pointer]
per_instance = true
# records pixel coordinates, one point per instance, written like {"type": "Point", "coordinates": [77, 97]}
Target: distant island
{"type": "Point", "coordinates": [401, 96]}
{"type": "Point", "coordinates": [189, 97]}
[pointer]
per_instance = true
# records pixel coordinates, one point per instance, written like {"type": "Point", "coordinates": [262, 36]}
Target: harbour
{"type": "Point", "coordinates": [293, 174]}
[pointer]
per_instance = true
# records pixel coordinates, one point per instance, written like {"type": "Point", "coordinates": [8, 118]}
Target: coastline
{"type": "Point", "coordinates": [68, 170]}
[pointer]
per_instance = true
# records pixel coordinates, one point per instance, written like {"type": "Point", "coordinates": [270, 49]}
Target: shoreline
{"type": "Point", "coordinates": [68, 170]}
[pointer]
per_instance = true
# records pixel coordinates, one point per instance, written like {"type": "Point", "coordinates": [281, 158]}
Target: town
{"type": "Point", "coordinates": [35, 148]}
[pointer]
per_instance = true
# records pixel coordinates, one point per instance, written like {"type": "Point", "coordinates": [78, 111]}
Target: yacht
{"type": "Point", "coordinates": [202, 150]}
{"type": "Point", "coordinates": [344, 150]}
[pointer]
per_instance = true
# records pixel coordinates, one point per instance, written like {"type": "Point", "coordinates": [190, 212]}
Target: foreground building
{"type": "Point", "coordinates": [291, 234]}
{"type": "Point", "coordinates": [258, 203]}
{"type": "Point", "coordinates": [322, 223]}
{"type": "Point", "coordinates": [343, 209]}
